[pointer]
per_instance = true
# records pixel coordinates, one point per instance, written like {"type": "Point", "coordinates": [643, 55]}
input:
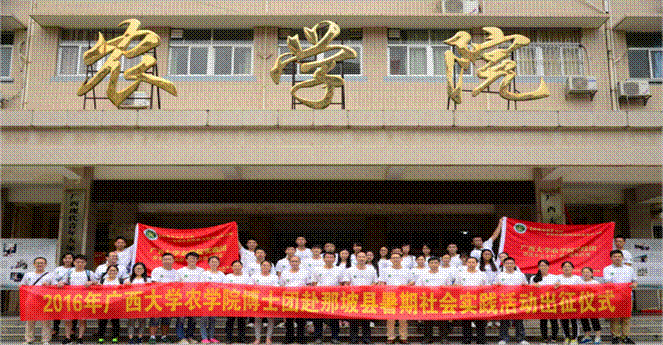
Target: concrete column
{"type": "Point", "coordinates": [639, 212]}
{"type": "Point", "coordinates": [549, 198]}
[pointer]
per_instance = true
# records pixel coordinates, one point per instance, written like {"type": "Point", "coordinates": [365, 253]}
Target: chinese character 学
{"type": "Point", "coordinates": [496, 64]}
{"type": "Point", "coordinates": [321, 67]}
{"type": "Point", "coordinates": [115, 49]}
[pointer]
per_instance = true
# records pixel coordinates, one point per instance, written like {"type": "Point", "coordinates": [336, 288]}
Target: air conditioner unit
{"type": "Point", "coordinates": [630, 89]}
{"type": "Point", "coordinates": [176, 33]}
{"type": "Point", "coordinates": [137, 100]}
{"type": "Point", "coordinates": [578, 84]}
{"type": "Point", "coordinates": [394, 34]}
{"type": "Point", "coordinates": [460, 6]}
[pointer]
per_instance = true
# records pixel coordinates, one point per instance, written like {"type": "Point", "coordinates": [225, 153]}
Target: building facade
{"type": "Point", "coordinates": [398, 162]}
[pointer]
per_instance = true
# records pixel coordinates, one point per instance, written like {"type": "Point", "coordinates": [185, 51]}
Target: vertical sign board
{"type": "Point", "coordinates": [552, 208]}
{"type": "Point", "coordinates": [73, 217]}
{"type": "Point", "coordinates": [647, 259]}
{"type": "Point", "coordinates": [17, 256]}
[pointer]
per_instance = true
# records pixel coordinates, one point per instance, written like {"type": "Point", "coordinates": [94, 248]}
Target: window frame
{"type": "Point", "coordinates": [539, 62]}
{"type": "Point", "coordinates": [352, 43]}
{"type": "Point", "coordinates": [8, 77]}
{"type": "Point", "coordinates": [430, 57]}
{"type": "Point", "coordinates": [211, 46]}
{"type": "Point", "coordinates": [83, 46]}
{"type": "Point", "coordinates": [649, 61]}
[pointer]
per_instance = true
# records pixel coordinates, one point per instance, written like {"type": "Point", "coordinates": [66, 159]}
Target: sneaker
{"type": "Point", "coordinates": [524, 342]}
{"type": "Point", "coordinates": [183, 341]}
{"type": "Point", "coordinates": [192, 341]}
{"type": "Point", "coordinates": [213, 340]}
{"type": "Point", "coordinates": [597, 339]}
{"type": "Point", "coordinates": [574, 342]}
{"type": "Point", "coordinates": [628, 340]}
{"type": "Point", "coordinates": [205, 341]}
{"type": "Point", "coordinates": [585, 340]}
{"type": "Point", "coordinates": [371, 324]}
{"type": "Point", "coordinates": [281, 325]}
{"type": "Point", "coordinates": [100, 340]}
{"type": "Point", "coordinates": [115, 340]}
{"type": "Point", "coordinates": [502, 342]}
{"type": "Point", "coordinates": [250, 325]}
{"type": "Point", "coordinates": [152, 340]}
{"type": "Point", "coordinates": [66, 341]}
{"type": "Point", "coordinates": [566, 341]}
{"type": "Point", "coordinates": [164, 339]}
{"type": "Point", "coordinates": [335, 341]}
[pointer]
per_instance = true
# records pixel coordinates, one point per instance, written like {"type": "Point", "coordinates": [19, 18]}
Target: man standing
{"type": "Point", "coordinates": [327, 275]}
{"type": "Point", "coordinates": [620, 241]}
{"type": "Point", "coordinates": [435, 277]}
{"type": "Point", "coordinates": [511, 277]}
{"type": "Point", "coordinates": [396, 275]}
{"type": "Point", "coordinates": [360, 275]}
{"type": "Point", "coordinates": [301, 250]}
{"type": "Point", "coordinates": [480, 245]}
{"type": "Point", "coordinates": [315, 261]}
{"type": "Point", "coordinates": [618, 272]}
{"type": "Point", "coordinates": [284, 264]}
{"type": "Point", "coordinates": [111, 259]}
{"type": "Point", "coordinates": [247, 255]}
{"type": "Point", "coordinates": [472, 277]}
{"type": "Point", "coordinates": [124, 254]}
{"type": "Point", "coordinates": [294, 277]}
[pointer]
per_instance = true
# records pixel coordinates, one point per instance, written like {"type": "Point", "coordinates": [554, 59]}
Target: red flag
{"type": "Point", "coordinates": [221, 240]}
{"type": "Point", "coordinates": [583, 245]}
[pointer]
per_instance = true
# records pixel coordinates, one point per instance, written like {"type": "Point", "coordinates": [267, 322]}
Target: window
{"type": "Point", "coordinates": [550, 53]}
{"type": "Point", "coordinates": [645, 56]}
{"type": "Point", "coordinates": [351, 38]}
{"type": "Point", "coordinates": [419, 52]}
{"type": "Point", "coordinates": [212, 52]}
{"type": "Point", "coordinates": [6, 46]}
{"type": "Point", "coordinates": [74, 43]}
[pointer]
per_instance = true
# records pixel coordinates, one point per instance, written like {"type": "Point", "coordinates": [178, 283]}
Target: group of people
{"type": "Point", "coordinates": [324, 266]}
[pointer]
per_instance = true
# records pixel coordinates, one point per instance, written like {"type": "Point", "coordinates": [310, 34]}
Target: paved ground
{"type": "Point", "coordinates": [605, 341]}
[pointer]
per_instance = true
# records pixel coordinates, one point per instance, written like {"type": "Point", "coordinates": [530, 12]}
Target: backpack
{"type": "Point", "coordinates": [88, 273]}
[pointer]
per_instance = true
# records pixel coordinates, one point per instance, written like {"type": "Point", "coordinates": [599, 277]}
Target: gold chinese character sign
{"type": "Point", "coordinates": [496, 64]}
{"type": "Point", "coordinates": [321, 67]}
{"type": "Point", "coordinates": [115, 49]}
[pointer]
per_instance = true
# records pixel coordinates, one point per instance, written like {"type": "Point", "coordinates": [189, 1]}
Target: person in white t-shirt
{"type": "Point", "coordinates": [314, 262]}
{"type": "Point", "coordinates": [294, 277]}
{"type": "Point", "coordinates": [446, 268]}
{"type": "Point", "coordinates": [360, 274]}
{"type": "Point", "coordinates": [284, 264]}
{"type": "Point", "coordinates": [138, 276]}
{"type": "Point", "coordinates": [488, 266]}
{"type": "Point", "coordinates": [343, 259]}
{"type": "Point", "coordinates": [472, 277]}
{"type": "Point", "coordinates": [408, 260]}
{"type": "Point", "coordinates": [384, 261]}
{"type": "Point", "coordinates": [420, 267]}
{"type": "Point", "coordinates": [237, 276]}
{"type": "Point", "coordinates": [543, 277]}
{"type": "Point", "coordinates": [618, 272]}
{"type": "Point", "coordinates": [190, 273]}
{"type": "Point", "coordinates": [327, 275]}
{"type": "Point", "coordinates": [425, 251]}
{"type": "Point", "coordinates": [396, 275]}
{"type": "Point", "coordinates": [247, 255]}
{"type": "Point", "coordinates": [568, 278]}
{"type": "Point", "coordinates": [434, 277]}
{"type": "Point", "coordinates": [301, 250]}
{"type": "Point", "coordinates": [208, 323]}
{"type": "Point", "coordinates": [124, 254]}
{"type": "Point", "coordinates": [480, 245]}
{"type": "Point", "coordinates": [111, 259]}
{"type": "Point", "coordinates": [356, 248]}
{"type": "Point", "coordinates": [60, 273]}
{"type": "Point", "coordinates": [620, 241]}
{"type": "Point", "coordinates": [163, 274]}
{"type": "Point", "coordinates": [595, 325]}
{"type": "Point", "coordinates": [254, 267]}
{"type": "Point", "coordinates": [452, 250]}
{"type": "Point", "coordinates": [78, 276]}
{"type": "Point", "coordinates": [38, 277]}
{"type": "Point", "coordinates": [268, 278]}
{"type": "Point", "coordinates": [511, 277]}
{"type": "Point", "coordinates": [111, 277]}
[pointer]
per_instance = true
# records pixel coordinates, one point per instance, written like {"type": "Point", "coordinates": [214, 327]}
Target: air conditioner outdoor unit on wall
{"type": "Point", "coordinates": [583, 85]}
{"type": "Point", "coordinates": [460, 6]}
{"type": "Point", "coordinates": [630, 89]}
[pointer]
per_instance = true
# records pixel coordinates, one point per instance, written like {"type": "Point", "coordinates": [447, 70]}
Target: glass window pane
{"type": "Point", "coordinates": [657, 63]}
{"type": "Point", "coordinates": [289, 69]}
{"type": "Point", "coordinates": [197, 35]}
{"type": "Point", "coordinates": [242, 60]}
{"type": "Point", "coordinates": [415, 36]}
{"type": "Point", "coordinates": [527, 61]}
{"type": "Point", "coordinates": [128, 63]}
{"type": "Point", "coordinates": [222, 60]}
{"type": "Point", "coordinates": [350, 66]}
{"type": "Point", "coordinates": [179, 60]}
{"type": "Point", "coordinates": [572, 61]}
{"type": "Point", "coordinates": [551, 60]}
{"type": "Point", "coordinates": [233, 35]}
{"type": "Point", "coordinates": [439, 36]}
{"type": "Point", "coordinates": [7, 38]}
{"type": "Point", "coordinates": [68, 60]}
{"type": "Point", "coordinates": [439, 65]}
{"type": "Point", "coordinates": [198, 60]}
{"type": "Point", "coordinates": [397, 60]}
{"type": "Point", "coordinates": [638, 63]}
{"type": "Point", "coordinates": [5, 61]}
{"type": "Point", "coordinates": [418, 61]}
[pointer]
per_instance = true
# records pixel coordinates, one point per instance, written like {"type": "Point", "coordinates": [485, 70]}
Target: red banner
{"type": "Point", "coordinates": [344, 302]}
{"type": "Point", "coordinates": [221, 240]}
{"type": "Point", "coordinates": [583, 245]}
